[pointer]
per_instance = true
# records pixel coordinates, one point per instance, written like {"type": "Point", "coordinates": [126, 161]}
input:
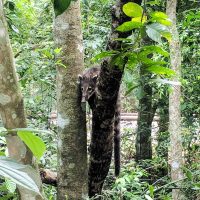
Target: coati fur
{"type": "Point", "coordinates": [88, 81]}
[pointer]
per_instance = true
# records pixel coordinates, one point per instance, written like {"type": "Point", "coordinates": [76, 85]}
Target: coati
{"type": "Point", "coordinates": [88, 82]}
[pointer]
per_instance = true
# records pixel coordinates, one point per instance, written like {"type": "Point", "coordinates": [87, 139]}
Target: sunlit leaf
{"type": "Point", "coordinates": [151, 190]}
{"type": "Point", "coordinates": [158, 14]}
{"type": "Point", "coordinates": [132, 9]}
{"type": "Point", "coordinates": [165, 22]}
{"type": "Point", "coordinates": [160, 70]}
{"type": "Point", "coordinates": [35, 144]}
{"type": "Point", "coordinates": [167, 35]}
{"type": "Point", "coordinates": [128, 26]}
{"type": "Point", "coordinates": [139, 19]}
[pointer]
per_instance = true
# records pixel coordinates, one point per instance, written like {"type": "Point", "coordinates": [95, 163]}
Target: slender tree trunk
{"type": "Point", "coordinates": [105, 102]}
{"type": "Point", "coordinates": [175, 155]}
{"type": "Point", "coordinates": [145, 119]}
{"type": "Point", "coordinates": [163, 134]}
{"type": "Point", "coordinates": [12, 105]}
{"type": "Point", "coordinates": [72, 143]}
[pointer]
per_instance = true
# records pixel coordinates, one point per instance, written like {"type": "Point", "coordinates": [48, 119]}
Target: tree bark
{"type": "Point", "coordinates": [72, 140]}
{"type": "Point", "coordinates": [104, 110]}
{"type": "Point", "coordinates": [145, 119]}
{"type": "Point", "coordinates": [12, 106]}
{"type": "Point", "coordinates": [175, 154]}
{"type": "Point", "coordinates": [163, 123]}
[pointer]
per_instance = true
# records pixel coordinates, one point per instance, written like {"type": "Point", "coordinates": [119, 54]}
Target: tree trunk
{"type": "Point", "coordinates": [175, 155]}
{"type": "Point", "coordinates": [104, 110]}
{"type": "Point", "coordinates": [163, 134]}
{"type": "Point", "coordinates": [145, 119]}
{"type": "Point", "coordinates": [12, 105]}
{"type": "Point", "coordinates": [72, 139]}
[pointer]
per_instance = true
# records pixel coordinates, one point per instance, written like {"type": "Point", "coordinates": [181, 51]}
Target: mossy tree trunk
{"type": "Point", "coordinates": [175, 154]}
{"type": "Point", "coordinates": [105, 101]}
{"type": "Point", "coordinates": [12, 105]}
{"type": "Point", "coordinates": [145, 119]}
{"type": "Point", "coordinates": [72, 144]}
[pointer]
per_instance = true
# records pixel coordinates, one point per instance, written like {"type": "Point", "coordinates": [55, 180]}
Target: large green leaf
{"type": "Point", "coordinates": [60, 6]}
{"type": "Point", "coordinates": [128, 26]}
{"type": "Point", "coordinates": [35, 144]}
{"type": "Point", "coordinates": [160, 70]}
{"type": "Point", "coordinates": [158, 14]}
{"type": "Point", "coordinates": [161, 17]}
{"type": "Point", "coordinates": [132, 9]}
{"type": "Point", "coordinates": [146, 50]}
{"type": "Point", "coordinates": [155, 31]}
{"type": "Point", "coordinates": [104, 54]}
{"type": "Point", "coordinates": [12, 170]}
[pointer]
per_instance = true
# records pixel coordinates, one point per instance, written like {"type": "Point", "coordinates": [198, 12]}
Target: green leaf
{"type": "Point", "coordinates": [160, 70]}
{"type": "Point", "coordinates": [60, 6]}
{"type": "Point", "coordinates": [132, 60]}
{"type": "Point", "coordinates": [155, 31]}
{"type": "Point", "coordinates": [35, 144]}
{"type": "Point", "coordinates": [118, 60]}
{"type": "Point", "coordinates": [146, 50]}
{"type": "Point", "coordinates": [188, 173]}
{"type": "Point", "coordinates": [158, 14]}
{"type": "Point", "coordinates": [10, 185]}
{"type": "Point", "coordinates": [12, 170]}
{"type": "Point", "coordinates": [132, 9]}
{"type": "Point", "coordinates": [165, 22]}
{"type": "Point", "coordinates": [151, 190]}
{"type": "Point", "coordinates": [167, 35]}
{"type": "Point", "coordinates": [104, 54]}
{"type": "Point", "coordinates": [131, 89]}
{"type": "Point", "coordinates": [128, 26]}
{"type": "Point", "coordinates": [57, 50]}
{"type": "Point", "coordinates": [142, 19]}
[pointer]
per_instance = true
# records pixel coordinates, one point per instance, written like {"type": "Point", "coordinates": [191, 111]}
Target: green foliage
{"type": "Point", "coordinates": [60, 6]}
{"type": "Point", "coordinates": [14, 171]}
{"type": "Point", "coordinates": [156, 26]}
{"type": "Point", "coordinates": [104, 54]}
{"type": "Point", "coordinates": [189, 35]}
{"type": "Point", "coordinates": [96, 26]}
{"type": "Point", "coordinates": [30, 29]}
{"type": "Point", "coordinates": [128, 26]}
{"type": "Point", "coordinates": [132, 51]}
{"type": "Point", "coordinates": [161, 18]}
{"type": "Point", "coordinates": [156, 31]}
{"type": "Point", "coordinates": [132, 10]}
{"type": "Point", "coordinates": [10, 185]}
{"type": "Point", "coordinates": [160, 70]}
{"type": "Point", "coordinates": [35, 144]}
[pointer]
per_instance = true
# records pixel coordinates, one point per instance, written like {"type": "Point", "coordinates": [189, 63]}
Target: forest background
{"type": "Point", "coordinates": [30, 26]}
